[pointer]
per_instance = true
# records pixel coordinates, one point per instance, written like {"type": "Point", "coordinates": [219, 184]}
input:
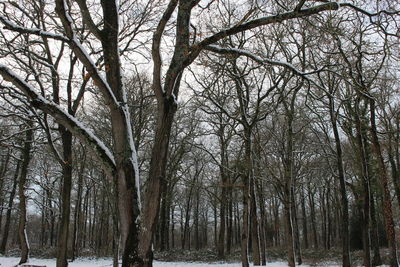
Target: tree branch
{"type": "Point", "coordinates": [9, 25]}
{"type": "Point", "coordinates": [63, 118]}
{"type": "Point", "coordinates": [87, 18]}
{"type": "Point", "coordinates": [197, 48]}
{"type": "Point", "coordinates": [83, 56]}
{"type": "Point", "coordinates": [155, 50]}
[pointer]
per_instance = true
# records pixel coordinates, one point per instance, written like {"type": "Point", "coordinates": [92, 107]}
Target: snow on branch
{"type": "Point", "coordinates": [80, 52]}
{"type": "Point", "coordinates": [9, 25]}
{"type": "Point", "coordinates": [62, 117]}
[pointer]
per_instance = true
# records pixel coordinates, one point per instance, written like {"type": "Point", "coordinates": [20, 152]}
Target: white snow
{"type": "Point", "coordinates": [87, 262]}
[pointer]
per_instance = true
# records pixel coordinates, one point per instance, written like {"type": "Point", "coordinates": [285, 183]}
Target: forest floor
{"type": "Point", "coordinates": [200, 258]}
{"type": "Point", "coordinates": [107, 262]}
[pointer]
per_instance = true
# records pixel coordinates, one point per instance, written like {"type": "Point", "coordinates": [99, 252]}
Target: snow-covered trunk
{"type": "Point", "coordinates": [26, 157]}
{"type": "Point", "coordinates": [158, 164]}
{"type": "Point", "coordinates": [126, 173]}
{"type": "Point", "coordinates": [127, 190]}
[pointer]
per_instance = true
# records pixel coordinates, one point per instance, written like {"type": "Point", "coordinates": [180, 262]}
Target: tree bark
{"type": "Point", "coordinates": [304, 222]}
{"type": "Point", "coordinates": [3, 171]}
{"type": "Point", "coordinates": [263, 222]}
{"type": "Point", "coordinates": [6, 229]}
{"type": "Point", "coordinates": [289, 228]}
{"type": "Point", "coordinates": [26, 157]}
{"type": "Point", "coordinates": [78, 212]}
{"type": "Point", "coordinates": [296, 231]}
{"type": "Point", "coordinates": [223, 199]}
{"type": "Point", "coordinates": [346, 260]}
{"type": "Point", "coordinates": [313, 215]}
{"type": "Point", "coordinates": [376, 260]}
{"type": "Point", "coordinates": [387, 202]}
{"type": "Point", "coordinates": [255, 237]}
{"type": "Point", "coordinates": [156, 178]}
{"type": "Point", "coordinates": [63, 234]}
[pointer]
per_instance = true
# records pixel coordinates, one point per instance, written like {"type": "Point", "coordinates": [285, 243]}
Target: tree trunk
{"type": "Point", "coordinates": [289, 227]}
{"type": "Point", "coordinates": [3, 171]}
{"type": "Point", "coordinates": [221, 237]}
{"type": "Point", "coordinates": [230, 231]}
{"type": "Point", "coordinates": [6, 229]}
{"type": "Point", "coordinates": [296, 231]}
{"type": "Point", "coordinates": [244, 238]}
{"type": "Point", "coordinates": [304, 222]}
{"type": "Point", "coordinates": [263, 222]}
{"type": "Point", "coordinates": [26, 157]}
{"type": "Point", "coordinates": [346, 260]}
{"type": "Point", "coordinates": [255, 237]}
{"type": "Point", "coordinates": [387, 202]}
{"type": "Point", "coordinates": [376, 260]}
{"type": "Point", "coordinates": [77, 212]}
{"type": "Point", "coordinates": [156, 178]}
{"type": "Point", "coordinates": [312, 215]}
{"type": "Point", "coordinates": [62, 240]}
{"type": "Point", "coordinates": [164, 215]}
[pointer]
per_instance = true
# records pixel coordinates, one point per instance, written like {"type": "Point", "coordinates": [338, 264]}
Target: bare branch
{"type": "Point", "coordinates": [87, 18]}
{"type": "Point", "coordinates": [157, 87]}
{"type": "Point", "coordinates": [197, 48]}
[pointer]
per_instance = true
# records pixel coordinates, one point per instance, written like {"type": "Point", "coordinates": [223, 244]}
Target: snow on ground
{"type": "Point", "coordinates": [86, 262]}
